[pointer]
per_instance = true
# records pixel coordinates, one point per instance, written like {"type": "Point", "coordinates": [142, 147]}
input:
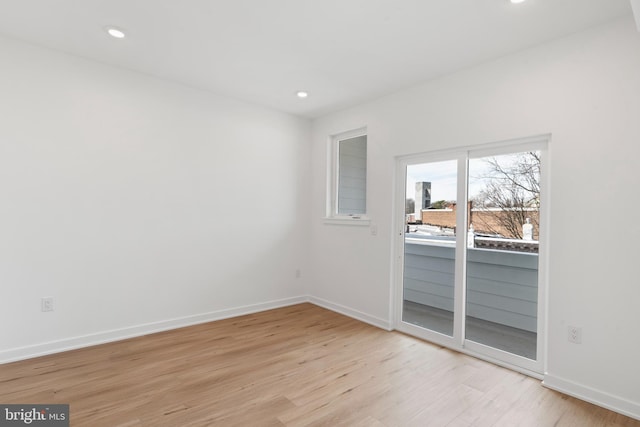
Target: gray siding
{"type": "Point", "coordinates": [352, 175]}
{"type": "Point", "coordinates": [429, 275]}
{"type": "Point", "coordinates": [502, 286]}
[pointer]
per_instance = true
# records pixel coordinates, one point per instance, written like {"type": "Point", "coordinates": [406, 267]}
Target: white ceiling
{"type": "Point", "coordinates": [342, 51]}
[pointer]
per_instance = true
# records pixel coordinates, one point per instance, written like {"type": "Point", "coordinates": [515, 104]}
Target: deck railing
{"type": "Point", "coordinates": [502, 286]}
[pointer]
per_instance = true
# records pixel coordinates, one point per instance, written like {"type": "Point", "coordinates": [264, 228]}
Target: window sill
{"type": "Point", "coordinates": [359, 221]}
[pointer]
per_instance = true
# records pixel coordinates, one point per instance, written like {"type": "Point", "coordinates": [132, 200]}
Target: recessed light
{"type": "Point", "coordinates": [115, 32]}
{"type": "Point", "coordinates": [517, 1]}
{"type": "Point", "coordinates": [302, 94]}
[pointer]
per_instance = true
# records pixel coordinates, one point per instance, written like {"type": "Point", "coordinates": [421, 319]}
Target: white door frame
{"type": "Point", "coordinates": [534, 368]}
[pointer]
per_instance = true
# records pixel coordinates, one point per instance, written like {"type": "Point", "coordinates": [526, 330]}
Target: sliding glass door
{"type": "Point", "coordinates": [430, 246]}
{"type": "Point", "coordinates": [502, 252]}
{"type": "Point", "coordinates": [469, 251]}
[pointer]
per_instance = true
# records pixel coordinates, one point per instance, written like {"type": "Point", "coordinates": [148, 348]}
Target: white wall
{"type": "Point", "coordinates": [138, 204]}
{"type": "Point", "coordinates": [585, 91]}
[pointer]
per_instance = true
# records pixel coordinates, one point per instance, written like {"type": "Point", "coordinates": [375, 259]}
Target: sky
{"type": "Point", "coordinates": [442, 176]}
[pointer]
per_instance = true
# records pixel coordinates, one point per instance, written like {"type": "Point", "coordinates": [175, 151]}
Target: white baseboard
{"type": "Point", "coordinates": [358, 315]}
{"type": "Point", "coordinates": [43, 349]}
{"type": "Point", "coordinates": [597, 397]}
{"type": "Point", "coordinates": [28, 352]}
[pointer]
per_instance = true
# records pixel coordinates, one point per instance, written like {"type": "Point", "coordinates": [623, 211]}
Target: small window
{"type": "Point", "coordinates": [352, 176]}
{"type": "Point", "coordinates": [349, 171]}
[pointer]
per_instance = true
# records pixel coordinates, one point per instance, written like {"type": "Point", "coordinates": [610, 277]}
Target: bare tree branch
{"type": "Point", "coordinates": [512, 185]}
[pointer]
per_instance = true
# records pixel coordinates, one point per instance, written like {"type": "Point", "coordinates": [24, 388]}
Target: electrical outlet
{"type": "Point", "coordinates": [574, 334]}
{"type": "Point", "coordinates": [46, 304]}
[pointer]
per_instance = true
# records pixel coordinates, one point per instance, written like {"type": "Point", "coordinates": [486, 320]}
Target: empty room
{"type": "Point", "coordinates": [319, 213]}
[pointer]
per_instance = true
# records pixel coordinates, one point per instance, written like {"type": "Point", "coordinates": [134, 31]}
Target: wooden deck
{"type": "Point", "coordinates": [513, 340]}
{"type": "Point", "coordinates": [295, 366]}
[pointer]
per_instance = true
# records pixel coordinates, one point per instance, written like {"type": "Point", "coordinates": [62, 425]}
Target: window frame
{"type": "Point", "coordinates": [333, 180]}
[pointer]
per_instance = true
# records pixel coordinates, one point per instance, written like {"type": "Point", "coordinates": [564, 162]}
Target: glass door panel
{"type": "Point", "coordinates": [430, 246]}
{"type": "Point", "coordinates": [502, 252]}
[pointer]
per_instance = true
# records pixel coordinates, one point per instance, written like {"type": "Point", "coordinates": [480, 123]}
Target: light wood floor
{"type": "Point", "coordinates": [295, 366]}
